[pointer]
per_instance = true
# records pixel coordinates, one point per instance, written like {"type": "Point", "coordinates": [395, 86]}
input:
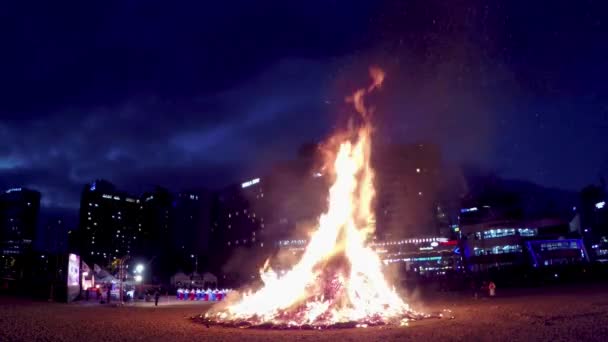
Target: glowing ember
{"type": "Point", "coordinates": [339, 280]}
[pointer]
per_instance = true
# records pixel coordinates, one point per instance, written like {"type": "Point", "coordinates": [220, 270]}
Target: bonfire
{"type": "Point", "coordinates": [339, 281]}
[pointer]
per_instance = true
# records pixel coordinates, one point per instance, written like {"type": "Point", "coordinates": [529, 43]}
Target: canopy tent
{"type": "Point", "coordinates": [209, 278]}
{"type": "Point", "coordinates": [196, 279]}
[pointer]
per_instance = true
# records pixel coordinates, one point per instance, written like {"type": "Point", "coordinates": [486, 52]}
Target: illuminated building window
{"type": "Point", "coordinates": [558, 245]}
{"type": "Point", "coordinates": [499, 250]}
{"type": "Point", "coordinates": [528, 231]}
{"type": "Point", "coordinates": [496, 233]}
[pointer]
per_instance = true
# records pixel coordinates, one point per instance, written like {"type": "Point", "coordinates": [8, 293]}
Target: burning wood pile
{"type": "Point", "coordinates": [338, 282]}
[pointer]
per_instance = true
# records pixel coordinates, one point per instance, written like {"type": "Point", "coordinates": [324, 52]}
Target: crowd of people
{"type": "Point", "coordinates": [201, 294]}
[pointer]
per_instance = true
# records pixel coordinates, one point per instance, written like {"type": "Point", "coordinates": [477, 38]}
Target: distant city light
{"type": "Point", "coordinates": [317, 174]}
{"type": "Point", "coordinates": [250, 183]}
{"type": "Point", "coordinates": [417, 170]}
{"type": "Point", "coordinates": [138, 278]}
{"type": "Point", "coordinates": [139, 268]}
{"type": "Point", "coordinates": [600, 205]}
{"type": "Point", "coordinates": [466, 210]}
{"type": "Point", "coordinates": [13, 190]}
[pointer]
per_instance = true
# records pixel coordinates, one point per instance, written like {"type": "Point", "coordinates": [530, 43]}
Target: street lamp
{"type": "Point", "coordinates": [195, 257]}
{"type": "Point", "coordinates": [139, 268]}
{"type": "Point", "coordinates": [138, 278]}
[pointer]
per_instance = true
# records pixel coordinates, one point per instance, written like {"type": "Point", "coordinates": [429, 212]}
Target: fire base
{"type": "Point", "coordinates": [251, 324]}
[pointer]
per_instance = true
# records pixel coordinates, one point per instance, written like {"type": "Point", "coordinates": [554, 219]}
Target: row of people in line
{"type": "Point", "coordinates": [201, 294]}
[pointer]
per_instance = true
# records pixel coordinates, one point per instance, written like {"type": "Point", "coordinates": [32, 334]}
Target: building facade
{"type": "Point", "coordinates": [19, 211]}
{"type": "Point", "coordinates": [108, 223]}
{"type": "Point", "coordinates": [492, 241]}
{"type": "Point", "coordinates": [408, 183]}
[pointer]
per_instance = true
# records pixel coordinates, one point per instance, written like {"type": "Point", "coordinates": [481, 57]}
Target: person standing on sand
{"type": "Point", "coordinates": [156, 297]}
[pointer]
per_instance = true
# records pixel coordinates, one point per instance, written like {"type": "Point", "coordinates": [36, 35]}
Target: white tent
{"type": "Point", "coordinates": [194, 279]}
{"type": "Point", "coordinates": [180, 277]}
{"type": "Point", "coordinates": [209, 278]}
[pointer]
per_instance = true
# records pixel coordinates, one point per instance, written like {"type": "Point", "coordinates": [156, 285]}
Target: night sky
{"type": "Point", "coordinates": [200, 94]}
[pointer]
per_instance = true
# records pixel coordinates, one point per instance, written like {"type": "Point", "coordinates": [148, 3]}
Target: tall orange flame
{"type": "Point", "coordinates": [338, 279]}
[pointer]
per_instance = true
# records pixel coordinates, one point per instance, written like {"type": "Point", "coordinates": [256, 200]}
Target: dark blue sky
{"type": "Point", "coordinates": [196, 93]}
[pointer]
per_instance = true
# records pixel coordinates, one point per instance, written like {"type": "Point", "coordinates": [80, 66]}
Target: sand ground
{"type": "Point", "coordinates": [575, 313]}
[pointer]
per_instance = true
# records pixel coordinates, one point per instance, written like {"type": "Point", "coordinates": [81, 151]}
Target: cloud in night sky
{"type": "Point", "coordinates": [196, 95]}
